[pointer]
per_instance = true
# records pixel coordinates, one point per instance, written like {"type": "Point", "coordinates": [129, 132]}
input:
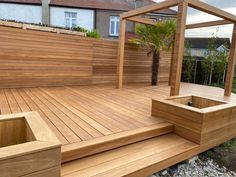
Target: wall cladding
{"type": "Point", "coordinates": [34, 58]}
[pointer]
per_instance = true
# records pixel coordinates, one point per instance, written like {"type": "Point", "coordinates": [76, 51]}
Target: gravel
{"type": "Point", "coordinates": [197, 168]}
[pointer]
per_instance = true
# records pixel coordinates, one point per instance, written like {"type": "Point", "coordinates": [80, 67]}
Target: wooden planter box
{"type": "Point", "coordinates": [28, 147]}
{"type": "Point", "coordinates": [197, 118]}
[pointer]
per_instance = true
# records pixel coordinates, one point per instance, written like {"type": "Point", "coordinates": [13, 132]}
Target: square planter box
{"type": "Point", "coordinates": [197, 118]}
{"type": "Point", "coordinates": [28, 147]}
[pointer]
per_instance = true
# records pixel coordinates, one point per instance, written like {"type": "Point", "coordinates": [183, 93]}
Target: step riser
{"type": "Point", "coordinates": [83, 149]}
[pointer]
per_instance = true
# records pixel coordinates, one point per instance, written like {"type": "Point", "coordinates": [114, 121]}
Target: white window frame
{"type": "Point", "coordinates": [71, 18]}
{"type": "Point", "coordinates": [116, 21]}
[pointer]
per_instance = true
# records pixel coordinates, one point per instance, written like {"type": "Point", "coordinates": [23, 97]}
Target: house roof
{"type": "Point", "coordinates": [23, 1]}
{"type": "Point", "coordinates": [202, 43]}
{"type": "Point", "coordinates": [122, 5]}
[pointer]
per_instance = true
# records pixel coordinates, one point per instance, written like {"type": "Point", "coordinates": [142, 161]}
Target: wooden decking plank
{"type": "Point", "coordinates": [93, 161]}
{"type": "Point", "coordinates": [5, 109]}
{"type": "Point", "coordinates": [90, 109]}
{"type": "Point", "coordinates": [120, 109]}
{"type": "Point", "coordinates": [12, 102]}
{"type": "Point", "coordinates": [137, 168]}
{"type": "Point", "coordinates": [81, 133]}
{"type": "Point", "coordinates": [119, 117]}
{"type": "Point", "coordinates": [83, 124]}
{"type": "Point", "coordinates": [75, 109]}
{"type": "Point", "coordinates": [127, 155]}
{"type": "Point", "coordinates": [22, 104]}
{"type": "Point", "coordinates": [82, 149]}
{"type": "Point", "coordinates": [120, 120]}
{"type": "Point", "coordinates": [66, 131]}
{"type": "Point", "coordinates": [33, 106]}
{"type": "Point", "coordinates": [124, 98]}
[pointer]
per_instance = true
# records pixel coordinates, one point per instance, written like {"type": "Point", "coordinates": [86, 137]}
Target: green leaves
{"type": "Point", "coordinates": [158, 37]}
{"type": "Point", "coordinates": [92, 34]}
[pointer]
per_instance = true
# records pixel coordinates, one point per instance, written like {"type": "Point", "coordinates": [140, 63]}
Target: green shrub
{"type": "Point", "coordinates": [92, 34]}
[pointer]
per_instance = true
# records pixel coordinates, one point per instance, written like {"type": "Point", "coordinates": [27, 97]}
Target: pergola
{"type": "Point", "coordinates": [178, 53]}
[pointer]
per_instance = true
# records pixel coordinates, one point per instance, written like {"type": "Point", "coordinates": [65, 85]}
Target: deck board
{"type": "Point", "coordinates": [124, 160]}
{"type": "Point", "coordinates": [90, 114]}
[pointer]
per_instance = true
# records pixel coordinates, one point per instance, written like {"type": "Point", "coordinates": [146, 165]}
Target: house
{"type": "Point", "coordinates": [102, 15]}
{"type": "Point", "coordinates": [199, 46]}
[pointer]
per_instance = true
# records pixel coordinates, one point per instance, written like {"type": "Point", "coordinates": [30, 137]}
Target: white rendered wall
{"type": "Point", "coordinates": [85, 18]}
{"type": "Point", "coordinates": [21, 12]}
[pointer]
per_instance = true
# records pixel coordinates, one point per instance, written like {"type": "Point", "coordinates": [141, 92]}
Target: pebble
{"type": "Point", "coordinates": [196, 168]}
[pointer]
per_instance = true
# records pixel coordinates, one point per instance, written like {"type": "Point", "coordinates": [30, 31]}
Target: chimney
{"type": "Point", "coordinates": [45, 12]}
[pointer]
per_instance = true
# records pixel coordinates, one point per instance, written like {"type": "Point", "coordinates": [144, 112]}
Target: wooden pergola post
{"type": "Point", "coordinates": [177, 59]}
{"type": "Point", "coordinates": [231, 65]}
{"type": "Point", "coordinates": [178, 52]}
{"type": "Point", "coordinates": [171, 61]}
{"type": "Point", "coordinates": [121, 51]}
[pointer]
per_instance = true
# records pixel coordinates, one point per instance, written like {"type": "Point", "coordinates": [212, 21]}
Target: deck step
{"type": "Point", "coordinates": [94, 146]}
{"type": "Point", "coordinates": [137, 160]}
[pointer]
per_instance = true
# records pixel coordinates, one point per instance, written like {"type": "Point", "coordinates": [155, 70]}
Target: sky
{"type": "Point", "coordinates": [195, 16]}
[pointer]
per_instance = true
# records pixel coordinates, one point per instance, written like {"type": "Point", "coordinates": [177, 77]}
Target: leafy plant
{"type": "Point", "coordinates": [92, 34]}
{"type": "Point", "coordinates": [220, 64]}
{"type": "Point", "coordinates": [208, 62]}
{"type": "Point", "coordinates": [215, 63]}
{"type": "Point", "coordinates": [154, 39]}
{"type": "Point", "coordinates": [188, 63]}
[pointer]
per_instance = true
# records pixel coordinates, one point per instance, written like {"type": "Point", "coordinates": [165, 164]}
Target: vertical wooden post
{"type": "Point", "coordinates": [171, 61]}
{"type": "Point", "coordinates": [231, 65]}
{"type": "Point", "coordinates": [178, 49]}
{"type": "Point", "coordinates": [121, 51]}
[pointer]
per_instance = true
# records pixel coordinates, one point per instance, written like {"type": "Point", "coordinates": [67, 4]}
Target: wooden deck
{"type": "Point", "coordinates": [92, 119]}
{"type": "Point", "coordinates": [85, 116]}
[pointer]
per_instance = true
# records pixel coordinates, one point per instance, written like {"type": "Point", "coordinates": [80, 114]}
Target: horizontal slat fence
{"type": "Point", "coordinates": [34, 58]}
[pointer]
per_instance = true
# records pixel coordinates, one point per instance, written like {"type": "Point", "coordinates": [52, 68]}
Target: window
{"type": "Point", "coordinates": [70, 19]}
{"type": "Point", "coordinates": [114, 26]}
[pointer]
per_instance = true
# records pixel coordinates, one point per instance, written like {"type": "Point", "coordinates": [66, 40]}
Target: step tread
{"type": "Point", "coordinates": [83, 149]}
{"type": "Point", "coordinates": [137, 158]}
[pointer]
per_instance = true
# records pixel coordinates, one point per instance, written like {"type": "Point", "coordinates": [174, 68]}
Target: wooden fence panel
{"type": "Point", "coordinates": [35, 58]}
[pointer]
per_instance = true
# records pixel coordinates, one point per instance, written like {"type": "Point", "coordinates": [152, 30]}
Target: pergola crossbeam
{"type": "Point", "coordinates": [141, 20]}
{"type": "Point", "coordinates": [151, 8]}
{"type": "Point", "coordinates": [196, 4]}
{"type": "Point", "coordinates": [208, 24]}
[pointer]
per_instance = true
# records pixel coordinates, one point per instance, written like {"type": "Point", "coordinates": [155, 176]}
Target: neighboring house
{"type": "Point", "coordinates": [199, 46]}
{"type": "Point", "coordinates": [29, 11]}
{"type": "Point", "coordinates": [102, 15]}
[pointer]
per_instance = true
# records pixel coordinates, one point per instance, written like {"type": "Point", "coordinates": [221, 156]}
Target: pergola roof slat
{"type": "Point", "coordinates": [208, 24]}
{"type": "Point", "coordinates": [196, 4]}
{"type": "Point", "coordinates": [142, 20]}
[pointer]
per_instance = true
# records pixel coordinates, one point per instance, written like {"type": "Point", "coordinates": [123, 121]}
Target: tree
{"type": "Point", "coordinates": [216, 61]}
{"type": "Point", "coordinates": [189, 62]}
{"type": "Point", "coordinates": [220, 64]}
{"type": "Point", "coordinates": [154, 39]}
{"type": "Point", "coordinates": [208, 62]}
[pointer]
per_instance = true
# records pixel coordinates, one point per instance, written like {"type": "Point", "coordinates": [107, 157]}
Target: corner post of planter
{"type": "Point", "coordinates": [231, 65]}
{"type": "Point", "coordinates": [177, 59]}
{"type": "Point", "coordinates": [121, 51]}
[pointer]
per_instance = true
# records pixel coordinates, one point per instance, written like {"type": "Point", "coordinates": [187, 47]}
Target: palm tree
{"type": "Point", "coordinates": [155, 39]}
